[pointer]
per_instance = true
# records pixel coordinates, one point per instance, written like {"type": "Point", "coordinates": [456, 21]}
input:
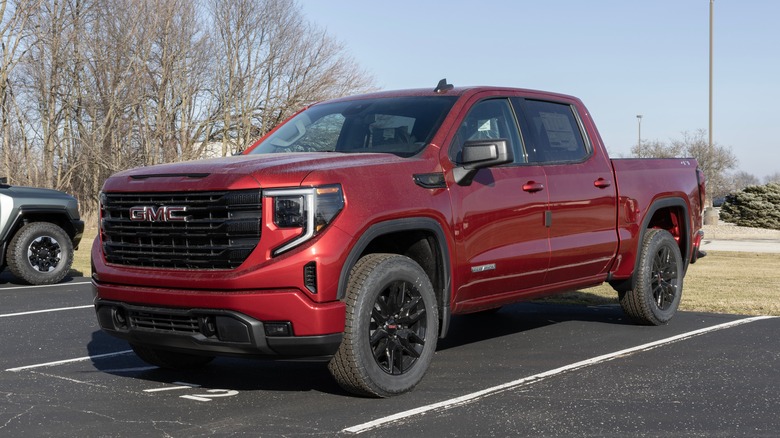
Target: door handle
{"type": "Point", "coordinates": [602, 183]}
{"type": "Point", "coordinates": [533, 187]}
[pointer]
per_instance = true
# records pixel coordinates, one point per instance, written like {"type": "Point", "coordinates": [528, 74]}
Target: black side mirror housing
{"type": "Point", "coordinates": [479, 154]}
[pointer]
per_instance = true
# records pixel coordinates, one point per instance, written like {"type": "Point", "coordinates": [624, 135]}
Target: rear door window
{"type": "Point", "coordinates": [554, 131]}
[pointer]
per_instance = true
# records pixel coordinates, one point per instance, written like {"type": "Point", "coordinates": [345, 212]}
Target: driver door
{"type": "Point", "coordinates": [501, 238]}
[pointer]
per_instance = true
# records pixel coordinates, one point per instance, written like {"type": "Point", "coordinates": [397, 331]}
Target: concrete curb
{"type": "Point", "coordinates": [763, 246]}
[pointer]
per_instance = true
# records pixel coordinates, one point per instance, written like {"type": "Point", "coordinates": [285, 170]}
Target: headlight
{"type": "Point", "coordinates": [311, 209]}
{"type": "Point", "coordinates": [290, 211]}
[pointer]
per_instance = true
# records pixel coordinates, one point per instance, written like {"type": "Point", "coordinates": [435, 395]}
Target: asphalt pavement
{"type": "Point", "coordinates": [528, 370]}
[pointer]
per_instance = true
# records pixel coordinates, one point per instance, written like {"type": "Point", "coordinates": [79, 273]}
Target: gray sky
{"type": "Point", "coordinates": [621, 57]}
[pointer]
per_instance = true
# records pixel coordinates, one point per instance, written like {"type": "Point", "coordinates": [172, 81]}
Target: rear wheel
{"type": "Point", "coordinates": [658, 281]}
{"type": "Point", "coordinates": [40, 253]}
{"type": "Point", "coordinates": [169, 359]}
{"type": "Point", "coordinates": [391, 328]}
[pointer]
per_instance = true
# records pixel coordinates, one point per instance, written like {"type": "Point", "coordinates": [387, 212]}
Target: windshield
{"type": "Point", "coordinates": [396, 125]}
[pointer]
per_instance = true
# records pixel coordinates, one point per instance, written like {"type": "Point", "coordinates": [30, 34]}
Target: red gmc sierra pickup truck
{"type": "Point", "coordinates": [356, 229]}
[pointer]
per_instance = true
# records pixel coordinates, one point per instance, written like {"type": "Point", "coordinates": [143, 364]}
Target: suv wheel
{"type": "Point", "coordinates": [40, 253]}
{"type": "Point", "coordinates": [391, 328]}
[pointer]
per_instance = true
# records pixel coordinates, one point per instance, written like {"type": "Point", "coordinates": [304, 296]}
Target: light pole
{"type": "Point", "coordinates": [710, 214]}
{"type": "Point", "coordinates": [639, 136]}
{"type": "Point", "coordinates": [712, 6]}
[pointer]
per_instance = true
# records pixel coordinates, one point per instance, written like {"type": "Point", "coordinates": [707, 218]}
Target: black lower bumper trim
{"type": "Point", "coordinates": [189, 330]}
{"type": "Point", "coordinates": [324, 345]}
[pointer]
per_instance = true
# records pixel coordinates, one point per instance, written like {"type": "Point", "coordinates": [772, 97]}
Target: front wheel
{"type": "Point", "coordinates": [40, 253]}
{"type": "Point", "coordinates": [391, 328]}
{"type": "Point", "coordinates": [658, 281]}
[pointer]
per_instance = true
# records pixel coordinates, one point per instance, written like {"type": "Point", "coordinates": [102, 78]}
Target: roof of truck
{"type": "Point", "coordinates": [450, 91]}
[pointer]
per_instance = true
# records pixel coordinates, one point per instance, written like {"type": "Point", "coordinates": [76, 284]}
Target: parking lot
{"type": "Point", "coordinates": [528, 370]}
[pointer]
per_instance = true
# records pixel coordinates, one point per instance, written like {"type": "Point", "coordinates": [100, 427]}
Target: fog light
{"type": "Point", "coordinates": [207, 325]}
{"type": "Point", "coordinates": [273, 329]}
{"type": "Point", "coordinates": [120, 319]}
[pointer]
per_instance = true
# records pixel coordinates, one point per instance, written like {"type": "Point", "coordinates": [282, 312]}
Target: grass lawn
{"type": "Point", "coordinates": [81, 256]}
{"type": "Point", "coordinates": [723, 282]}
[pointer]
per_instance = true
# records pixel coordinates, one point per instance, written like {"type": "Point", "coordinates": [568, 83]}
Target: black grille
{"type": "Point", "coordinates": [221, 230]}
{"type": "Point", "coordinates": [166, 322]}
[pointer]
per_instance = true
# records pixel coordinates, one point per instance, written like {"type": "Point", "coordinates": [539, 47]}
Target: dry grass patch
{"type": "Point", "coordinates": [80, 267]}
{"type": "Point", "coordinates": [734, 282]}
{"type": "Point", "coordinates": [723, 282]}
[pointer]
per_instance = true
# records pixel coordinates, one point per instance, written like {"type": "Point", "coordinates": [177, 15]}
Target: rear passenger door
{"type": "Point", "coordinates": [580, 186]}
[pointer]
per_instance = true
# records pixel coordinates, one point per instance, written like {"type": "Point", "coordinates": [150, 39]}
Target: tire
{"type": "Point", "coordinates": [658, 281]}
{"type": "Point", "coordinates": [391, 328]}
{"type": "Point", "coordinates": [40, 253]}
{"type": "Point", "coordinates": [169, 359]}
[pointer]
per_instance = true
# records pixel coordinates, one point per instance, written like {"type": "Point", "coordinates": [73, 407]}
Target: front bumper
{"type": "Point", "coordinates": [209, 332]}
{"type": "Point", "coordinates": [247, 323]}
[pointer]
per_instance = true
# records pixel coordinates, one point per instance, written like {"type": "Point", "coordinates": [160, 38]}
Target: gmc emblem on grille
{"type": "Point", "coordinates": [160, 214]}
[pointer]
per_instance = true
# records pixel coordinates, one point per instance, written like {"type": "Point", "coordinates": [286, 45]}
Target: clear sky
{"type": "Point", "coordinates": [621, 57]}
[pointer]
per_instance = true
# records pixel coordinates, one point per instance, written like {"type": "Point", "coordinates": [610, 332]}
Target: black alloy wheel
{"type": "Point", "coordinates": [391, 327]}
{"type": "Point", "coordinates": [663, 278]}
{"type": "Point", "coordinates": [398, 327]}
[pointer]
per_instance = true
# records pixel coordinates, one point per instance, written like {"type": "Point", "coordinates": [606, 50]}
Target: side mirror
{"type": "Point", "coordinates": [479, 154]}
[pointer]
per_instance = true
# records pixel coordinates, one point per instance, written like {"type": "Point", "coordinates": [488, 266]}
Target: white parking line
{"type": "Point", "coordinates": [32, 312]}
{"type": "Point", "coordinates": [60, 362]}
{"type": "Point", "coordinates": [44, 285]}
{"type": "Point", "coordinates": [474, 396]}
{"type": "Point", "coordinates": [129, 370]}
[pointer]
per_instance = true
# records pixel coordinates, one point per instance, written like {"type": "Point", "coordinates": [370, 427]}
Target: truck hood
{"type": "Point", "coordinates": [35, 193]}
{"type": "Point", "coordinates": [240, 172]}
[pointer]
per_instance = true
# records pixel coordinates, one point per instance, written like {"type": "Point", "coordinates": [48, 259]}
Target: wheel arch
{"type": "Point", "coordinates": [670, 214]}
{"type": "Point", "coordinates": [27, 214]}
{"type": "Point", "coordinates": [421, 239]}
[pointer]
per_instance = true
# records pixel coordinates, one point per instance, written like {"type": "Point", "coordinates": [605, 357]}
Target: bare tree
{"type": "Point", "coordinates": [175, 74]}
{"type": "Point", "coordinates": [742, 179]}
{"type": "Point", "coordinates": [656, 149]}
{"type": "Point", "coordinates": [46, 69]}
{"type": "Point", "coordinates": [14, 29]}
{"type": "Point", "coordinates": [91, 87]}
{"type": "Point", "coordinates": [773, 178]}
{"type": "Point", "coordinates": [241, 33]}
{"type": "Point", "coordinates": [111, 90]}
{"type": "Point", "coordinates": [715, 162]}
{"type": "Point", "coordinates": [314, 69]}
{"type": "Point", "coordinates": [273, 62]}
